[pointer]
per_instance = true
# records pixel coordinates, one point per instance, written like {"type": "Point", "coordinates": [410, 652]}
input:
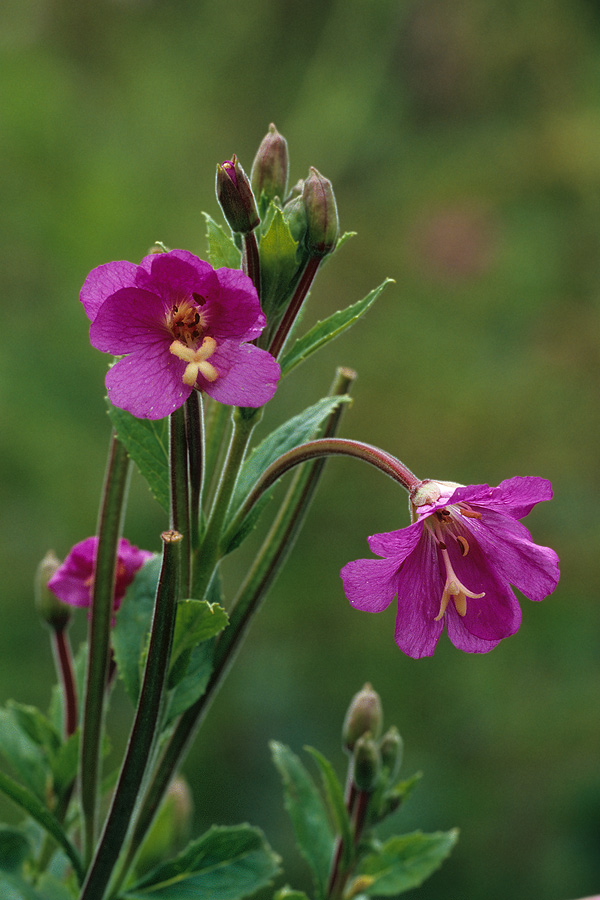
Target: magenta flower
{"type": "Point", "coordinates": [180, 325]}
{"type": "Point", "coordinates": [72, 581]}
{"type": "Point", "coordinates": [455, 565]}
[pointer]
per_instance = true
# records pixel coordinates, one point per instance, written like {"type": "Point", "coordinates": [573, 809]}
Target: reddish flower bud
{"type": "Point", "coordinates": [364, 715]}
{"type": "Point", "coordinates": [235, 196]}
{"type": "Point", "coordinates": [269, 175]}
{"type": "Point", "coordinates": [321, 213]}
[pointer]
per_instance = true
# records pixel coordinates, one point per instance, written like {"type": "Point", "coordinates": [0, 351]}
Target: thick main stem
{"type": "Point", "coordinates": [144, 726]}
{"type": "Point", "coordinates": [110, 522]}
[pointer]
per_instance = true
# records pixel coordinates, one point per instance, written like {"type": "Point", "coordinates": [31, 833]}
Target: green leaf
{"type": "Point", "coordinates": [51, 888]}
{"type": "Point", "coordinates": [12, 887]}
{"type": "Point", "coordinates": [278, 263]}
{"type": "Point", "coordinates": [132, 626]}
{"type": "Point", "coordinates": [221, 249]}
{"type": "Point", "coordinates": [223, 864]}
{"type": "Point", "coordinates": [405, 862]}
{"type": "Point", "coordinates": [193, 684]}
{"type": "Point", "coordinates": [66, 763]}
{"type": "Point", "coordinates": [287, 893]}
{"type": "Point", "coordinates": [147, 443]}
{"type": "Point", "coordinates": [337, 805]}
{"type": "Point", "coordinates": [36, 726]}
{"type": "Point", "coordinates": [323, 332]}
{"type": "Point", "coordinates": [26, 757]}
{"type": "Point", "coordinates": [196, 621]}
{"type": "Point", "coordinates": [30, 803]}
{"type": "Point", "coordinates": [14, 849]}
{"type": "Point", "coordinates": [307, 811]}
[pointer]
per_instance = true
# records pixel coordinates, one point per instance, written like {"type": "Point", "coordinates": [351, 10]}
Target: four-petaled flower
{"type": "Point", "coordinates": [72, 581]}
{"type": "Point", "coordinates": [455, 564]}
{"type": "Point", "coordinates": [180, 325]}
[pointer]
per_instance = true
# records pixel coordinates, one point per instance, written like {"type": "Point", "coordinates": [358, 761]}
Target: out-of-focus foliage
{"type": "Point", "coordinates": [462, 138]}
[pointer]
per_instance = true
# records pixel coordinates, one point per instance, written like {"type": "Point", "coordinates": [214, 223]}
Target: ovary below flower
{"type": "Point", "coordinates": [454, 565]}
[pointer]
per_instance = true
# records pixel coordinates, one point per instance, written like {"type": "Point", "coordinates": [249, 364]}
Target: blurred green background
{"type": "Point", "coordinates": [463, 140]}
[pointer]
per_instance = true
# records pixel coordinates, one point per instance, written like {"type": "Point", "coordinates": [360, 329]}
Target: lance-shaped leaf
{"type": "Point", "coordinates": [405, 862]}
{"type": "Point", "coordinates": [336, 803]}
{"type": "Point", "coordinates": [132, 626]}
{"type": "Point", "coordinates": [221, 249]}
{"type": "Point", "coordinates": [291, 434]}
{"type": "Point", "coordinates": [26, 757]}
{"type": "Point", "coordinates": [223, 864]}
{"type": "Point", "coordinates": [196, 621]}
{"type": "Point", "coordinates": [323, 332]}
{"type": "Point", "coordinates": [307, 812]}
{"type": "Point", "coordinates": [147, 443]}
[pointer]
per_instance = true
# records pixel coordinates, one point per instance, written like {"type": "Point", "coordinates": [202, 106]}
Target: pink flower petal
{"type": "Point", "coordinates": [248, 376]}
{"type": "Point", "coordinates": [149, 385]}
{"type": "Point", "coordinates": [180, 274]}
{"type": "Point", "coordinates": [104, 281]}
{"type": "Point", "coordinates": [130, 320]}
{"type": "Point", "coordinates": [370, 584]}
{"type": "Point", "coordinates": [420, 586]}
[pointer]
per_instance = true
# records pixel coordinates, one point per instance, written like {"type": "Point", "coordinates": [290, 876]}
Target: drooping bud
{"type": "Point", "coordinates": [391, 748]}
{"type": "Point", "coordinates": [364, 715]}
{"type": "Point", "coordinates": [53, 611]}
{"type": "Point", "coordinates": [235, 196]}
{"type": "Point", "coordinates": [269, 174]}
{"type": "Point", "coordinates": [321, 212]}
{"type": "Point", "coordinates": [367, 763]}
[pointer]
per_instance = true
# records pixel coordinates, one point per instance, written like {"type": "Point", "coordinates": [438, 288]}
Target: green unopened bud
{"type": "Point", "coordinates": [367, 763]}
{"type": "Point", "coordinates": [170, 829]}
{"type": "Point", "coordinates": [391, 748]}
{"type": "Point", "coordinates": [294, 213]}
{"type": "Point", "coordinates": [235, 196]}
{"type": "Point", "coordinates": [364, 714]}
{"type": "Point", "coordinates": [53, 611]}
{"type": "Point", "coordinates": [269, 175]}
{"type": "Point", "coordinates": [321, 213]}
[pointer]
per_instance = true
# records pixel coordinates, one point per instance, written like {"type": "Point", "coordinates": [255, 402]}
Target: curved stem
{"type": "Point", "coordinates": [109, 529]}
{"type": "Point", "coordinates": [143, 730]}
{"type": "Point", "coordinates": [322, 447]}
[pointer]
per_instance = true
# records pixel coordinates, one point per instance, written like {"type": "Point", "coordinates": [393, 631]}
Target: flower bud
{"type": "Point", "coordinates": [269, 175]}
{"type": "Point", "coordinates": [364, 715]}
{"type": "Point", "coordinates": [367, 763]}
{"type": "Point", "coordinates": [235, 196]}
{"type": "Point", "coordinates": [55, 613]}
{"type": "Point", "coordinates": [321, 213]}
{"type": "Point", "coordinates": [391, 748]}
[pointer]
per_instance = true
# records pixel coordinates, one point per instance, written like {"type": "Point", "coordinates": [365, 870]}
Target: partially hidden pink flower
{"type": "Point", "coordinates": [454, 565]}
{"type": "Point", "coordinates": [179, 325]}
{"type": "Point", "coordinates": [72, 581]}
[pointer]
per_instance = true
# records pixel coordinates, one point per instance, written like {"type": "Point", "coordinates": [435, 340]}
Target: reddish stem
{"type": "Point", "coordinates": [64, 664]}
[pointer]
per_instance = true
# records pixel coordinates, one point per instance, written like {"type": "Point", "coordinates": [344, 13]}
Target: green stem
{"type": "Point", "coordinates": [322, 447]}
{"type": "Point", "coordinates": [143, 730]}
{"type": "Point", "coordinates": [195, 441]}
{"type": "Point", "coordinates": [109, 530]}
{"type": "Point", "coordinates": [180, 498]}
{"type": "Point", "coordinates": [208, 555]}
{"type": "Point", "coordinates": [252, 260]}
{"type": "Point", "coordinates": [267, 564]}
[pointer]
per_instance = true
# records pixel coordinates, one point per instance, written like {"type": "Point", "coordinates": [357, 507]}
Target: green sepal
{"type": "Point", "coordinates": [15, 848]}
{"type": "Point", "coordinates": [147, 443]}
{"type": "Point", "coordinates": [278, 264]}
{"type": "Point", "coordinates": [308, 814]}
{"type": "Point", "coordinates": [132, 626]}
{"type": "Point", "coordinates": [226, 863]}
{"type": "Point", "coordinates": [334, 794]}
{"type": "Point", "coordinates": [196, 621]}
{"type": "Point", "coordinates": [221, 249]}
{"type": "Point", "coordinates": [291, 434]}
{"type": "Point", "coordinates": [325, 331]}
{"type": "Point", "coordinates": [405, 862]}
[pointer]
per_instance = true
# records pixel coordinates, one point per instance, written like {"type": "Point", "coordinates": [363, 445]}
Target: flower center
{"type": "Point", "coordinates": [188, 325]}
{"type": "Point", "coordinates": [454, 589]}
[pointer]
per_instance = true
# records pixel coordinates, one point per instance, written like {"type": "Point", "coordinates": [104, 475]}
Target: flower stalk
{"type": "Point", "coordinates": [109, 528]}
